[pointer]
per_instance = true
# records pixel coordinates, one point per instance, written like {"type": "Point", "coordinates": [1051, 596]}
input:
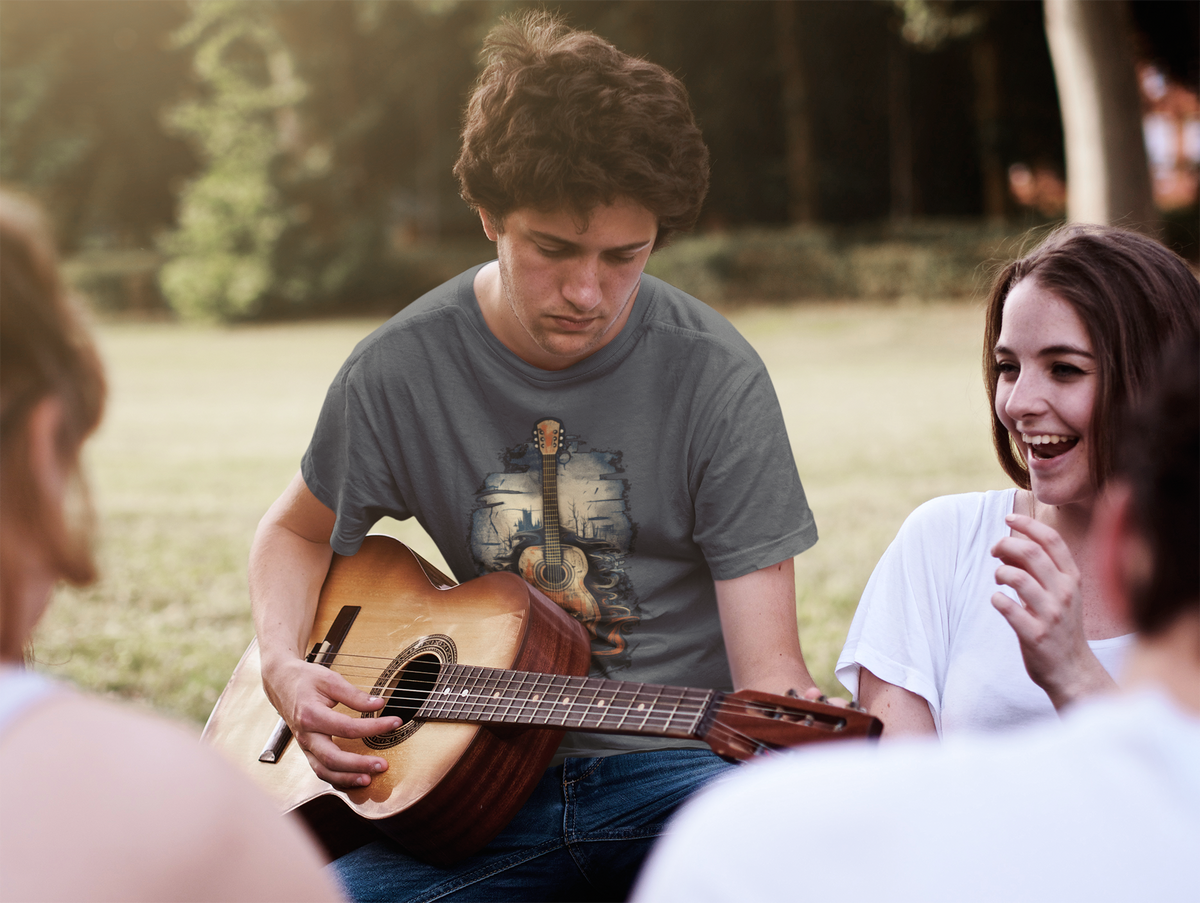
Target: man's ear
{"type": "Point", "coordinates": [490, 225]}
{"type": "Point", "coordinates": [1126, 563]}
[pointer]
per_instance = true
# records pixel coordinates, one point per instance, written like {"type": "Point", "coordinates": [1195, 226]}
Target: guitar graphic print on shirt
{"type": "Point", "coordinates": [557, 516]}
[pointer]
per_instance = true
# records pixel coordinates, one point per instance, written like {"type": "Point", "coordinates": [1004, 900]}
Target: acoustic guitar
{"type": "Point", "coordinates": [486, 676]}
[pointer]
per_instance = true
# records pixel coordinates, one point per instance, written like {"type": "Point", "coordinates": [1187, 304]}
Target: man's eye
{"type": "Point", "coordinates": [551, 252]}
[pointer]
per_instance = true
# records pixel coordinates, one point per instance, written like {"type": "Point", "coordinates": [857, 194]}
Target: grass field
{"type": "Point", "coordinates": [206, 426]}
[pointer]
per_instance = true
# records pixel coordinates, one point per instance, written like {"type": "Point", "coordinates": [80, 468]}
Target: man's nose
{"type": "Point", "coordinates": [582, 285]}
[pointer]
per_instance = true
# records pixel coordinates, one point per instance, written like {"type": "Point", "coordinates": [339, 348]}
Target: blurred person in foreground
{"type": "Point", "coordinates": [676, 485]}
{"type": "Point", "coordinates": [99, 802]}
{"type": "Point", "coordinates": [1102, 806]}
{"type": "Point", "coordinates": [985, 612]}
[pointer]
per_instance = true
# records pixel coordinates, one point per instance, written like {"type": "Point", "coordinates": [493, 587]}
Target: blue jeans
{"type": "Point", "coordinates": [581, 836]}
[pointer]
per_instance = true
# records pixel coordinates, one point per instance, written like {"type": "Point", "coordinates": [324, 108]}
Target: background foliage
{"type": "Point", "coordinates": [289, 158]}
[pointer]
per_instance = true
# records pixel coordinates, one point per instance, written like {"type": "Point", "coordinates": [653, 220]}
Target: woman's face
{"type": "Point", "coordinates": [1046, 391]}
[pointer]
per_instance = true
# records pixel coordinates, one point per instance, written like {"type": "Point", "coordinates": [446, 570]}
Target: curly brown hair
{"type": "Point", "coordinates": [1134, 297]}
{"type": "Point", "coordinates": [561, 119]}
{"type": "Point", "coordinates": [45, 351]}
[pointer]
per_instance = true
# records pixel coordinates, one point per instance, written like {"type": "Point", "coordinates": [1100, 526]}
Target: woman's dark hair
{"type": "Point", "coordinates": [561, 119]}
{"type": "Point", "coordinates": [1132, 294]}
{"type": "Point", "coordinates": [1160, 460]}
{"type": "Point", "coordinates": [44, 351]}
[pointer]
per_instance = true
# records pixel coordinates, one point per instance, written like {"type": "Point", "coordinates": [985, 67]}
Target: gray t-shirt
{"type": "Point", "coordinates": [671, 468]}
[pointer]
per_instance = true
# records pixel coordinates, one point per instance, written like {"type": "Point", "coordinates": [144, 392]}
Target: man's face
{"type": "Point", "coordinates": [566, 293]}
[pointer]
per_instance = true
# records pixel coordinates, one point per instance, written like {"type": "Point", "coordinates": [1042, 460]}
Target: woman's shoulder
{"type": "Point", "coordinates": [145, 808]}
{"type": "Point", "coordinates": [965, 515]}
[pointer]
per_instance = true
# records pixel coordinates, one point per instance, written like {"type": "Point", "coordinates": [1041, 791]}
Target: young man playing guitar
{"type": "Point", "coordinates": [559, 414]}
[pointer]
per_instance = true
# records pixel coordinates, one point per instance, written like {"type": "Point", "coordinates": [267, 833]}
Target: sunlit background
{"type": "Point", "coordinates": [242, 190]}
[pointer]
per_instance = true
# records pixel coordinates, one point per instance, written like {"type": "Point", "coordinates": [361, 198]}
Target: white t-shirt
{"type": "Point", "coordinates": [1105, 806]}
{"type": "Point", "coordinates": [926, 622]}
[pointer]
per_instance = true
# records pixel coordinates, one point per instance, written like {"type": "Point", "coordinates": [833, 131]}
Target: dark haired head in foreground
{"type": "Point", "coordinates": [100, 802]}
{"type": "Point", "coordinates": [1105, 806]}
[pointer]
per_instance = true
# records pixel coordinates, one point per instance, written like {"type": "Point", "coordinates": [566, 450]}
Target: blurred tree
{"type": "Point", "coordinates": [231, 216]}
{"type": "Point", "coordinates": [328, 135]}
{"type": "Point", "coordinates": [930, 24]}
{"type": "Point", "coordinates": [1108, 176]}
{"type": "Point", "coordinates": [800, 161]}
{"type": "Point", "coordinates": [81, 87]}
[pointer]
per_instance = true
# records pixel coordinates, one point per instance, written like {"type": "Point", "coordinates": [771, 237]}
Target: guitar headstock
{"type": "Point", "coordinates": [748, 723]}
{"type": "Point", "coordinates": [547, 434]}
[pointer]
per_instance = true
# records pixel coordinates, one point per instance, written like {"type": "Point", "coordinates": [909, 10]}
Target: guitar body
{"type": "Point", "coordinates": [563, 583]}
{"type": "Point", "coordinates": [442, 796]}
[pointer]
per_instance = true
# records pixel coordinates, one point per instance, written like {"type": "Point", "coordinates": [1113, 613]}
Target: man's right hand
{"type": "Point", "coordinates": [305, 694]}
{"type": "Point", "coordinates": [288, 563]}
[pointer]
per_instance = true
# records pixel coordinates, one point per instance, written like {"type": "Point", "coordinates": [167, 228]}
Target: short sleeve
{"type": "Point", "coordinates": [346, 466]}
{"type": "Point", "coordinates": [750, 508]}
{"type": "Point", "coordinates": [900, 632]}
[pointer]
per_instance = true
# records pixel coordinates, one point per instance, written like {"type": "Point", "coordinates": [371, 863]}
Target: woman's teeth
{"type": "Point", "coordinates": [1044, 440]}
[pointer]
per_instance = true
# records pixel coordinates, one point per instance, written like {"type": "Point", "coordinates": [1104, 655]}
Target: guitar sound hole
{"type": "Point", "coordinates": [409, 689]}
{"type": "Point", "coordinates": [555, 576]}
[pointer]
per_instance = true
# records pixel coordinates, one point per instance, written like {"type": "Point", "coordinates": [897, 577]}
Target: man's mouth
{"type": "Point", "coordinates": [571, 324]}
{"type": "Point", "coordinates": [1048, 445]}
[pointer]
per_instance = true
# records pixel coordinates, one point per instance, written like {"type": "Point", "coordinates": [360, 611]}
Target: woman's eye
{"type": "Point", "coordinates": [1007, 369]}
{"type": "Point", "coordinates": [1065, 370]}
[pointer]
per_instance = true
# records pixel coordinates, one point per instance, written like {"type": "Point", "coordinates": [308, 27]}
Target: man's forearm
{"type": "Point", "coordinates": [286, 573]}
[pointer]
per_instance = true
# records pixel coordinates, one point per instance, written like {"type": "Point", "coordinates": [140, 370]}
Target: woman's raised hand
{"type": "Point", "coordinates": [1049, 625]}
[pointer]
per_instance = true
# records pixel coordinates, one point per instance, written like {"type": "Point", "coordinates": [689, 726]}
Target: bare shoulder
{"type": "Point", "coordinates": [147, 812]}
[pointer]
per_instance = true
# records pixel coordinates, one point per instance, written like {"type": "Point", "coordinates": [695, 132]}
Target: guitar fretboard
{"type": "Point", "coordinates": [553, 543]}
{"type": "Point", "coordinates": [492, 695]}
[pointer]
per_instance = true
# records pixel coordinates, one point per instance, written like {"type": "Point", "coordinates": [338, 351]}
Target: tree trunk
{"type": "Point", "coordinates": [797, 118]}
{"type": "Point", "coordinates": [985, 65]}
{"type": "Point", "coordinates": [1108, 177]}
{"type": "Point", "coordinates": [900, 143]}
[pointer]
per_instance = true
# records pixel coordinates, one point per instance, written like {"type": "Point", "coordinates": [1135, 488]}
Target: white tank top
{"type": "Point", "coordinates": [19, 690]}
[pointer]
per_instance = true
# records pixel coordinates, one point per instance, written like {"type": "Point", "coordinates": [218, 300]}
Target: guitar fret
{"type": "Point", "coordinates": [473, 698]}
{"type": "Point", "coordinates": [459, 687]}
{"type": "Point", "coordinates": [436, 704]}
{"type": "Point", "coordinates": [594, 709]}
{"type": "Point", "coordinates": [538, 699]}
{"type": "Point", "coordinates": [517, 695]}
{"type": "Point", "coordinates": [481, 695]}
{"type": "Point", "coordinates": [628, 707]}
{"type": "Point", "coordinates": [650, 710]}
{"type": "Point", "coordinates": [612, 706]}
{"type": "Point", "coordinates": [670, 718]}
{"type": "Point", "coordinates": [702, 704]}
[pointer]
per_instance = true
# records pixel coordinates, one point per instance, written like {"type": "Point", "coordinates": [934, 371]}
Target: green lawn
{"type": "Point", "coordinates": [206, 426]}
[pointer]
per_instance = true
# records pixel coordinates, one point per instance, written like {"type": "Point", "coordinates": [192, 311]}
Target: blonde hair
{"type": "Point", "coordinates": [45, 351]}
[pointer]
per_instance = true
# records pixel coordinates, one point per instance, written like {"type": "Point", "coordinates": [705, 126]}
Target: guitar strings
{"type": "Point", "coordinates": [653, 720]}
{"type": "Point", "coordinates": [413, 691]}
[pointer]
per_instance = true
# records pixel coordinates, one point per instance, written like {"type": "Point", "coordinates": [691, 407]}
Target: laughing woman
{"type": "Point", "coordinates": [983, 612]}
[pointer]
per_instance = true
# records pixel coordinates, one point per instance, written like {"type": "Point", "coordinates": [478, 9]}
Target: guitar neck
{"type": "Point", "coordinates": [550, 525]}
{"type": "Point", "coordinates": [494, 696]}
